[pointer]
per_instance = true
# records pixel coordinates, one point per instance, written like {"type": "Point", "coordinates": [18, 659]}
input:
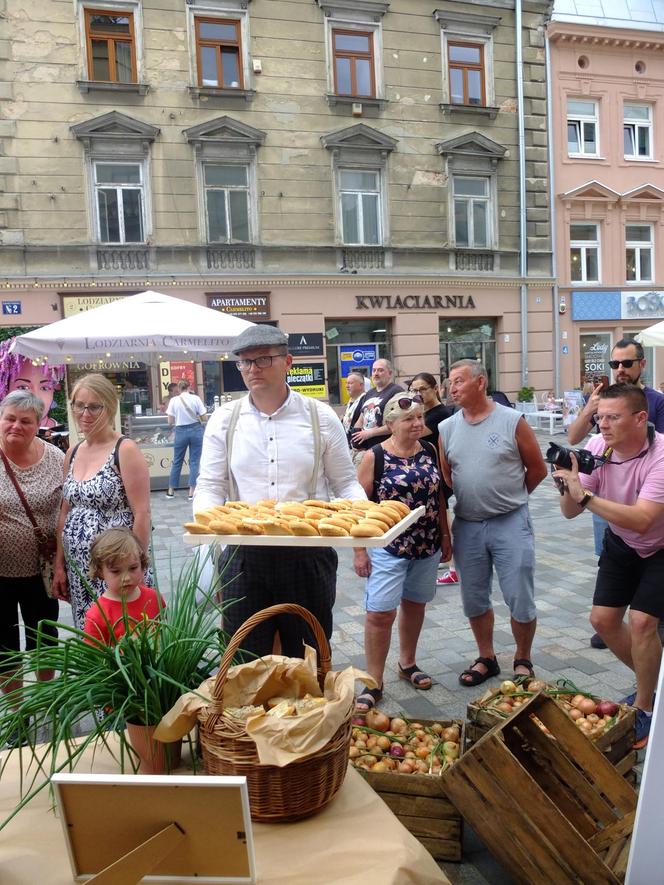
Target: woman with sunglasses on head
{"type": "Point", "coordinates": [403, 574]}
{"type": "Point", "coordinates": [107, 485]}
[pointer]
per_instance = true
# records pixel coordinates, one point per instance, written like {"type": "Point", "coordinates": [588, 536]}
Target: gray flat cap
{"type": "Point", "coordinates": [260, 336]}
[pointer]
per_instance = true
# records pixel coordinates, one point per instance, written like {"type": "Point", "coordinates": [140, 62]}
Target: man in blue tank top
{"type": "Point", "coordinates": [492, 460]}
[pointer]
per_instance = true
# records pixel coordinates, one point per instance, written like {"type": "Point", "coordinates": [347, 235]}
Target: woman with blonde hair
{"type": "Point", "coordinates": [107, 485]}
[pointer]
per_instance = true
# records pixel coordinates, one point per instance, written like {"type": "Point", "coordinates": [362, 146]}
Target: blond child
{"type": "Point", "coordinates": [118, 558]}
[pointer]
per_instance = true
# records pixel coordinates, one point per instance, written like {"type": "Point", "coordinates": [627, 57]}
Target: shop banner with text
{"type": "Point", "coordinates": [308, 379]}
{"type": "Point", "coordinates": [355, 358]}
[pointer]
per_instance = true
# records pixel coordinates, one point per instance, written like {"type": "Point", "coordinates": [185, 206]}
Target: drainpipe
{"type": "Point", "coordinates": [523, 243]}
{"type": "Point", "coordinates": [552, 214]}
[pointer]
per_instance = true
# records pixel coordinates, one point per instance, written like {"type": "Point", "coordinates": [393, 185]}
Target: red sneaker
{"type": "Point", "coordinates": [450, 577]}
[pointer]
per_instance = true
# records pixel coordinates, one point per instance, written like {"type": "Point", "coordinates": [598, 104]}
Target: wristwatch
{"type": "Point", "coordinates": [586, 499]}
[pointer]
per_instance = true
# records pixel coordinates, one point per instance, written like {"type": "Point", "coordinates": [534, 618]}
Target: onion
{"type": "Point", "coordinates": [575, 700]}
{"type": "Point", "coordinates": [507, 687]}
{"type": "Point", "coordinates": [575, 714]}
{"type": "Point", "coordinates": [505, 707]}
{"type": "Point", "coordinates": [397, 750]}
{"type": "Point", "coordinates": [354, 753]}
{"type": "Point", "coordinates": [451, 734]}
{"type": "Point", "coordinates": [358, 720]}
{"type": "Point", "coordinates": [606, 708]}
{"type": "Point", "coordinates": [451, 749]}
{"type": "Point", "coordinates": [383, 743]}
{"type": "Point", "coordinates": [405, 768]}
{"type": "Point", "coordinates": [377, 720]}
{"type": "Point", "coordinates": [379, 766]}
{"type": "Point", "coordinates": [397, 725]}
{"type": "Point", "coordinates": [536, 685]}
{"type": "Point", "coordinates": [586, 705]}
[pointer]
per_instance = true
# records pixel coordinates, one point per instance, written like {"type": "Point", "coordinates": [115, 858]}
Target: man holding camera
{"type": "Point", "coordinates": [627, 363]}
{"type": "Point", "coordinates": [628, 491]}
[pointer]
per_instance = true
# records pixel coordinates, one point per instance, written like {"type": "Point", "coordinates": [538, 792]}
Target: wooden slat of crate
{"type": "Point", "coordinates": [511, 788]}
{"type": "Point", "coordinates": [422, 805]}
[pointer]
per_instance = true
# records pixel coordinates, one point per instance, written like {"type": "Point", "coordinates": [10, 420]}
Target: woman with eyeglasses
{"type": "Point", "coordinates": [425, 385]}
{"type": "Point", "coordinates": [403, 574]}
{"type": "Point", "coordinates": [107, 485]}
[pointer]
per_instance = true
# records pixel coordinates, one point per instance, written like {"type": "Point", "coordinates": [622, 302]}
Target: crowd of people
{"type": "Point", "coordinates": [422, 444]}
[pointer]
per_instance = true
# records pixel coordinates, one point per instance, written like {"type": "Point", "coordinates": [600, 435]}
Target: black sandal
{"type": "Point", "coordinates": [369, 698]}
{"type": "Point", "coordinates": [523, 662]}
{"type": "Point", "coordinates": [417, 678]}
{"type": "Point", "coordinates": [477, 678]}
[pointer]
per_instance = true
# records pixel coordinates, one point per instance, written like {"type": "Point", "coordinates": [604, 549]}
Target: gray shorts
{"type": "Point", "coordinates": [506, 543]}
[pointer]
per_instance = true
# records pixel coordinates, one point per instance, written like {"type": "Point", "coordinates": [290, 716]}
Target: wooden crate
{"type": "Point", "coordinates": [422, 806]}
{"type": "Point", "coordinates": [616, 743]}
{"type": "Point", "coordinates": [549, 810]}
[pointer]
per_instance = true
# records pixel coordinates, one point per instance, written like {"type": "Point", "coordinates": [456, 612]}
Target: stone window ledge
{"type": "Point", "coordinates": [104, 86]}
{"type": "Point", "coordinates": [463, 110]}
{"type": "Point", "coordinates": [368, 102]}
{"type": "Point", "coordinates": [212, 92]}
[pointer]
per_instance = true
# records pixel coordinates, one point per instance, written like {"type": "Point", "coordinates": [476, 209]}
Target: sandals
{"type": "Point", "coordinates": [417, 678]}
{"type": "Point", "coordinates": [470, 678]}
{"type": "Point", "coordinates": [368, 699]}
{"type": "Point", "coordinates": [523, 662]}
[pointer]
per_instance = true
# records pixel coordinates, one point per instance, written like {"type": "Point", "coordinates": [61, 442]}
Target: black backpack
{"type": "Point", "coordinates": [379, 463]}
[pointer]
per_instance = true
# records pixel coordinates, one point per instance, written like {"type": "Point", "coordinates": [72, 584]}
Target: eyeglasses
{"type": "Point", "coordinates": [261, 362]}
{"type": "Point", "coordinates": [626, 364]}
{"type": "Point", "coordinates": [419, 389]}
{"type": "Point", "coordinates": [611, 419]}
{"type": "Point", "coordinates": [407, 402]}
{"type": "Point", "coordinates": [92, 408]}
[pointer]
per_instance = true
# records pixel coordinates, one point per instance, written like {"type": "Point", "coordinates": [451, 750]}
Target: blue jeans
{"type": "Point", "coordinates": [599, 527]}
{"type": "Point", "coordinates": [191, 436]}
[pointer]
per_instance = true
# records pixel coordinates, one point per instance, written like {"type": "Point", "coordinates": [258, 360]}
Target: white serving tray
{"type": "Point", "coordinates": [306, 541]}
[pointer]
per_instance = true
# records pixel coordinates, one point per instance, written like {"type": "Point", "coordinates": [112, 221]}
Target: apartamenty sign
{"type": "Point", "coordinates": [248, 306]}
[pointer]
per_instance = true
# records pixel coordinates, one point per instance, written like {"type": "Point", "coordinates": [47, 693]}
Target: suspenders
{"type": "Point", "coordinates": [230, 434]}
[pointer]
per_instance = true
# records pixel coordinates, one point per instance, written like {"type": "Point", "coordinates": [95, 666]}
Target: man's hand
{"type": "Point", "coordinates": [446, 549]}
{"type": "Point", "coordinates": [361, 562]}
{"type": "Point", "coordinates": [570, 480]}
{"type": "Point", "coordinates": [361, 436]}
{"type": "Point", "coordinates": [590, 407]}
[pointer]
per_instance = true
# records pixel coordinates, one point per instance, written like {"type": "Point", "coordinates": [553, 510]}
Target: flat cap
{"type": "Point", "coordinates": [260, 336]}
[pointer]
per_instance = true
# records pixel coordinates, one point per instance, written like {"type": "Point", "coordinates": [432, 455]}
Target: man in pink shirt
{"type": "Point", "coordinates": [628, 491]}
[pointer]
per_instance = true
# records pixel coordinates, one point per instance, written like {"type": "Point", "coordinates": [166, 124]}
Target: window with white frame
{"type": "Point", "coordinates": [227, 207]}
{"type": "Point", "coordinates": [637, 131]}
{"type": "Point", "coordinates": [472, 211]}
{"type": "Point", "coordinates": [120, 202]}
{"type": "Point", "coordinates": [582, 127]}
{"type": "Point", "coordinates": [360, 210]}
{"type": "Point", "coordinates": [638, 253]}
{"type": "Point", "coordinates": [584, 252]}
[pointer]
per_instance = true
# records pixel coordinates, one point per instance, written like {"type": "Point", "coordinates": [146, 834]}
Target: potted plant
{"type": "Point", "coordinates": [526, 395]}
{"type": "Point", "coordinates": [98, 690]}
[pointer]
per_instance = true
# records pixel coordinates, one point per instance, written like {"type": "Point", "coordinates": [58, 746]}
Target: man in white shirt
{"type": "Point", "coordinates": [274, 453]}
{"type": "Point", "coordinates": [355, 388]}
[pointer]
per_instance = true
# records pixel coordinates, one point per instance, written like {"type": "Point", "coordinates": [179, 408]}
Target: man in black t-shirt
{"type": "Point", "coordinates": [369, 430]}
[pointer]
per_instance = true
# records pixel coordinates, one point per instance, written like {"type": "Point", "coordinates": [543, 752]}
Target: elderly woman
{"type": "Point", "coordinates": [403, 574]}
{"type": "Point", "coordinates": [37, 468]}
{"type": "Point", "coordinates": [107, 485]}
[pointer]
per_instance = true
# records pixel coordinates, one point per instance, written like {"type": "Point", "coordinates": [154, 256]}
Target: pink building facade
{"type": "Point", "coordinates": [607, 107]}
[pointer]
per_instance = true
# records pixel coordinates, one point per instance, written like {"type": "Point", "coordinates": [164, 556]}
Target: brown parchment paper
{"type": "Point", "coordinates": [279, 741]}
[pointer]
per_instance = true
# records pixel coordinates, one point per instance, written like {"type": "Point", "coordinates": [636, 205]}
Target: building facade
{"type": "Point", "coordinates": [356, 171]}
{"type": "Point", "coordinates": [608, 147]}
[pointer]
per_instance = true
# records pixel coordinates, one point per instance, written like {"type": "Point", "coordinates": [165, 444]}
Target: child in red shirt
{"type": "Point", "coordinates": [118, 558]}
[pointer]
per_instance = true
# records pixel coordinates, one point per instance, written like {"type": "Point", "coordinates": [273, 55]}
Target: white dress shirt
{"type": "Point", "coordinates": [273, 455]}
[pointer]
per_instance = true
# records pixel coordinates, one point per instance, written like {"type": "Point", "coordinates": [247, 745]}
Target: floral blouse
{"type": "Point", "coordinates": [415, 481]}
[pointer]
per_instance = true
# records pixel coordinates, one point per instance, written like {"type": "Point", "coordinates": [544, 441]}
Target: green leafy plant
{"type": "Point", "coordinates": [526, 395]}
{"type": "Point", "coordinates": [98, 689]}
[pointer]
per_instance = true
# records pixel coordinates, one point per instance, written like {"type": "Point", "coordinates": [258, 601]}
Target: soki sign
{"type": "Point", "coordinates": [594, 357]}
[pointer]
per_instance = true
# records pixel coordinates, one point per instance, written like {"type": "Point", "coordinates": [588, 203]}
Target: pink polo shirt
{"type": "Point", "coordinates": [625, 483]}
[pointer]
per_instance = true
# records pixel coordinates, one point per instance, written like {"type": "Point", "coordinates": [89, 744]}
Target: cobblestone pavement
{"type": "Point", "coordinates": [566, 567]}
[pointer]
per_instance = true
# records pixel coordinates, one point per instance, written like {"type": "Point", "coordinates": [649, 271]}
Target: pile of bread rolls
{"type": "Point", "coordinates": [342, 518]}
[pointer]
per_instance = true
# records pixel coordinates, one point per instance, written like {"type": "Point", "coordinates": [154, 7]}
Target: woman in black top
{"type": "Point", "coordinates": [434, 410]}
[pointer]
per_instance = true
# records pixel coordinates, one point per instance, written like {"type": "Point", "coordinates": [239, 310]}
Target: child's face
{"type": "Point", "coordinates": [123, 575]}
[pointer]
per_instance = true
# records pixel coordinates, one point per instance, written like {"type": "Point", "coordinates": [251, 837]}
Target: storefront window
{"type": "Point", "coordinates": [648, 373]}
{"type": "Point", "coordinates": [468, 340]}
{"type": "Point", "coordinates": [341, 356]}
{"type": "Point", "coordinates": [131, 380]}
{"type": "Point", "coordinates": [595, 355]}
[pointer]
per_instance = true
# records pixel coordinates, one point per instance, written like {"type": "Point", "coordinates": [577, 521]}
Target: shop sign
{"type": "Point", "coordinates": [641, 305]}
{"type": "Point", "coordinates": [595, 358]}
{"type": "Point", "coordinates": [73, 304]}
{"type": "Point", "coordinates": [414, 302]}
{"type": "Point", "coordinates": [354, 358]}
{"type": "Point", "coordinates": [11, 308]}
{"type": "Point", "coordinates": [308, 379]}
{"type": "Point", "coordinates": [253, 306]}
{"type": "Point", "coordinates": [109, 366]}
{"type": "Point", "coordinates": [305, 343]}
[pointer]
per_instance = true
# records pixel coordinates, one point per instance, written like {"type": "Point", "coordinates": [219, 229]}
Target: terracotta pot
{"type": "Point", "coordinates": [155, 757]}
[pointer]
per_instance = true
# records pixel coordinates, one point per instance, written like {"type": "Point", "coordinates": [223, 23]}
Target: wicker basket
{"type": "Point", "coordinates": [276, 794]}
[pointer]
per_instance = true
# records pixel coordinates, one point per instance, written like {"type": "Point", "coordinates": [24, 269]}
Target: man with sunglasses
{"type": "Point", "coordinates": [274, 444]}
{"type": "Point", "coordinates": [628, 491]}
{"type": "Point", "coordinates": [627, 363]}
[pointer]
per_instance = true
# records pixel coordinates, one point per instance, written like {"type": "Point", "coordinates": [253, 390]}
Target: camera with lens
{"type": "Point", "coordinates": [559, 457]}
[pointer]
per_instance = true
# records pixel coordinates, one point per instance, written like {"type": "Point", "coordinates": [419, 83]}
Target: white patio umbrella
{"type": "Point", "coordinates": [653, 336]}
{"type": "Point", "coordinates": [148, 327]}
